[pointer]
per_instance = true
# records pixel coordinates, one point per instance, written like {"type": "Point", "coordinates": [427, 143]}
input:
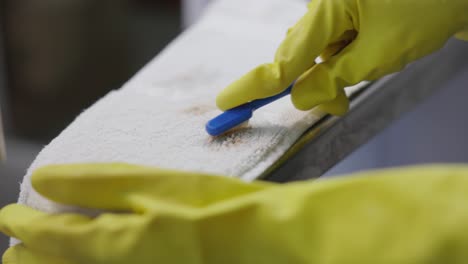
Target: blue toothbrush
{"type": "Point", "coordinates": [238, 115]}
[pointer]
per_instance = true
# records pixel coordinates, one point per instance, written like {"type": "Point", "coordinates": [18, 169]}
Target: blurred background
{"type": "Point", "coordinates": [58, 57]}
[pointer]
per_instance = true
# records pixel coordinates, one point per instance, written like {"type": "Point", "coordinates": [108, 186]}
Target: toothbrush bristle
{"type": "Point", "coordinates": [234, 129]}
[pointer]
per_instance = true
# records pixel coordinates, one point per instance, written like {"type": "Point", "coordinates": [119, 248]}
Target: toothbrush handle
{"type": "Point", "coordinates": [254, 105]}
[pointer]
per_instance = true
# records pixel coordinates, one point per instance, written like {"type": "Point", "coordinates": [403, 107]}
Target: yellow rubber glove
{"type": "Point", "coordinates": [159, 219]}
{"type": "Point", "coordinates": [372, 38]}
{"type": "Point", "coordinates": [415, 215]}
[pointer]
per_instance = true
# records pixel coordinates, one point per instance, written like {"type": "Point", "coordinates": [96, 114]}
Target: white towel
{"type": "Point", "coordinates": [158, 117]}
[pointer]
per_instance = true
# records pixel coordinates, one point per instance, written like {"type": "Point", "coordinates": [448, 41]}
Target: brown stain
{"type": "Point", "coordinates": [198, 110]}
{"type": "Point", "coordinates": [231, 138]}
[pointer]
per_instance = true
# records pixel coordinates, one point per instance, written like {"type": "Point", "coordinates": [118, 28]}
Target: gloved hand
{"type": "Point", "coordinates": [370, 39]}
{"type": "Point", "coordinates": [416, 215]}
{"type": "Point", "coordinates": [158, 215]}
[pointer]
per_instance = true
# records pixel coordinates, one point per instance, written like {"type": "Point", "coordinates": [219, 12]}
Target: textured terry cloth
{"type": "Point", "coordinates": [158, 117]}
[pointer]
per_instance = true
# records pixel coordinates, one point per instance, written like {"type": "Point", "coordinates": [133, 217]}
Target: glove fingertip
{"type": "Point", "coordinates": [10, 256]}
{"type": "Point", "coordinates": [11, 210]}
{"type": "Point", "coordinates": [339, 106]}
{"type": "Point", "coordinates": [222, 102]}
{"type": "Point", "coordinates": [40, 181]}
{"type": "Point", "coordinates": [13, 216]}
{"type": "Point", "coordinates": [46, 177]}
{"type": "Point", "coordinates": [301, 104]}
{"type": "Point", "coordinates": [264, 81]}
